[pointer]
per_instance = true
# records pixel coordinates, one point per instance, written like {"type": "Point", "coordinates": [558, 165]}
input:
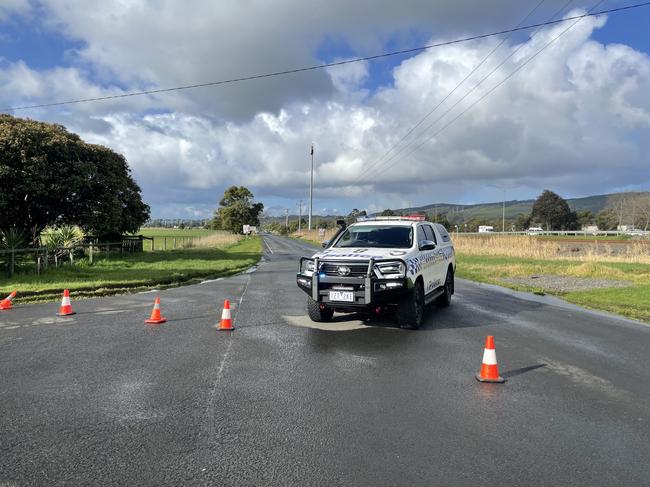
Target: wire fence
{"type": "Point", "coordinates": [38, 259]}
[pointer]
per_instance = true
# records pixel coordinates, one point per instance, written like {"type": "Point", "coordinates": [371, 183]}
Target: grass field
{"type": "Point", "coordinates": [494, 259]}
{"type": "Point", "coordinates": [176, 238]}
{"type": "Point", "coordinates": [135, 272]}
{"type": "Point", "coordinates": [176, 232]}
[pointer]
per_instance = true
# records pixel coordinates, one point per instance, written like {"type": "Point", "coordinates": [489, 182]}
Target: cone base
{"type": "Point", "coordinates": [6, 308]}
{"type": "Point", "coordinates": [498, 380]}
{"type": "Point", "coordinates": [224, 327]}
{"type": "Point", "coordinates": [66, 314]}
{"type": "Point", "coordinates": [155, 322]}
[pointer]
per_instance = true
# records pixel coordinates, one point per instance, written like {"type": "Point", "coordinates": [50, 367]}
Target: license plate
{"type": "Point", "coordinates": [347, 296]}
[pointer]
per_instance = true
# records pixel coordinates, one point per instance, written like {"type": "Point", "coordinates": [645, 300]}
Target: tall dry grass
{"type": "Point", "coordinates": [529, 247]}
{"type": "Point", "coordinates": [314, 236]}
{"type": "Point", "coordinates": [216, 240]}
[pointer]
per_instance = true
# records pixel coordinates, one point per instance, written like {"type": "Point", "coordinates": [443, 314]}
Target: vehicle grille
{"type": "Point", "coordinates": [357, 269]}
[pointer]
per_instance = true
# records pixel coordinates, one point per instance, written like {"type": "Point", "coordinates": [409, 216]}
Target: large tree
{"type": "Point", "coordinates": [553, 212]}
{"type": "Point", "coordinates": [50, 176]}
{"type": "Point", "coordinates": [236, 209]}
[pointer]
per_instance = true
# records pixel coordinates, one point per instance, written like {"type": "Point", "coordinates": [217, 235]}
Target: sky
{"type": "Point", "coordinates": [564, 107]}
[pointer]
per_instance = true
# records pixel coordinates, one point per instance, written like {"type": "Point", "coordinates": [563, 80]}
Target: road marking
{"type": "Point", "coordinates": [267, 245]}
{"type": "Point", "coordinates": [222, 365]}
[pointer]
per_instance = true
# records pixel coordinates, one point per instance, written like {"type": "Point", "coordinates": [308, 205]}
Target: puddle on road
{"type": "Point", "coordinates": [305, 322]}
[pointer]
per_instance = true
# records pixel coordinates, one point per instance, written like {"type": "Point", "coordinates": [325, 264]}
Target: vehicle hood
{"type": "Point", "coordinates": [360, 253]}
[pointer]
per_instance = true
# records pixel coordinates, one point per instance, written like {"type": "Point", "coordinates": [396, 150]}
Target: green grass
{"type": "Point", "coordinates": [135, 272]}
{"type": "Point", "coordinates": [632, 301]}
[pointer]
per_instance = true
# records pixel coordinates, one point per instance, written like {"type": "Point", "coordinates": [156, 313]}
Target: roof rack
{"type": "Point", "coordinates": [417, 218]}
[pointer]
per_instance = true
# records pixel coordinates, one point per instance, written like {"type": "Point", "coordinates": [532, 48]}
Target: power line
{"type": "Point", "coordinates": [489, 92]}
{"type": "Point", "coordinates": [324, 65]}
{"type": "Point", "coordinates": [378, 161]}
{"type": "Point", "coordinates": [469, 92]}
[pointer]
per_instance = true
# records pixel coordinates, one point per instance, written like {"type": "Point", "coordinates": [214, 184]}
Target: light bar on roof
{"type": "Point", "coordinates": [417, 218]}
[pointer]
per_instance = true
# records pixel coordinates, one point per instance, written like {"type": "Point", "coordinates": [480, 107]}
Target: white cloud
{"type": "Point", "coordinates": [8, 7]}
{"type": "Point", "coordinates": [576, 119]}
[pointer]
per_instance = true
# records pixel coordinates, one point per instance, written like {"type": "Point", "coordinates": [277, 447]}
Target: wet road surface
{"type": "Point", "coordinates": [100, 398]}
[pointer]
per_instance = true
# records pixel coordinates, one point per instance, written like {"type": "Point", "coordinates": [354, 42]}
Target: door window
{"type": "Point", "coordinates": [428, 231]}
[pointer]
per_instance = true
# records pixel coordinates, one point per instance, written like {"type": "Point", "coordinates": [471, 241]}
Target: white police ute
{"type": "Point", "coordinates": [377, 265]}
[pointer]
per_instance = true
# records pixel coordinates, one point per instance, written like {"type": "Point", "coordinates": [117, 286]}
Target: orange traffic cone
{"type": "Point", "coordinates": [66, 308]}
{"type": "Point", "coordinates": [156, 318]}
{"type": "Point", "coordinates": [226, 320]}
{"type": "Point", "coordinates": [6, 302]}
{"type": "Point", "coordinates": [489, 369]}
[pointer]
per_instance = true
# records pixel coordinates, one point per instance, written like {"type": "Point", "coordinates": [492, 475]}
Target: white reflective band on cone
{"type": "Point", "coordinates": [66, 301]}
{"type": "Point", "coordinates": [489, 357]}
{"type": "Point", "coordinates": [225, 314]}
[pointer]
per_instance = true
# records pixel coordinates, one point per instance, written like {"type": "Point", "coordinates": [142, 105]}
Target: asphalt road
{"type": "Point", "coordinates": [101, 399]}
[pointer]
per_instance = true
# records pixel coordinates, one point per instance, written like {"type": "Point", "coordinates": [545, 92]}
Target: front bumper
{"type": "Point", "coordinates": [369, 290]}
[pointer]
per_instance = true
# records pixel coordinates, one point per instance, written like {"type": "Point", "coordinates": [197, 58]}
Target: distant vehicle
{"type": "Point", "coordinates": [534, 230]}
{"type": "Point", "coordinates": [397, 264]}
{"type": "Point", "coordinates": [485, 228]}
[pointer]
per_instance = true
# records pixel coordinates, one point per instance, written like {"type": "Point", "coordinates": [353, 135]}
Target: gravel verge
{"type": "Point", "coordinates": [564, 284]}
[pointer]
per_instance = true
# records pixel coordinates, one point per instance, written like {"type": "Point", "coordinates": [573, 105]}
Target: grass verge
{"type": "Point", "coordinates": [135, 272]}
{"type": "Point", "coordinates": [632, 301]}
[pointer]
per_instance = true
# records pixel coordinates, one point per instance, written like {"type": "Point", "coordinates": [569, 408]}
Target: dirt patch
{"type": "Point", "coordinates": [564, 284]}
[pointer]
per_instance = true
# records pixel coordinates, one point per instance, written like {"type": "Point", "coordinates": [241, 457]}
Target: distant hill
{"type": "Point", "coordinates": [482, 211]}
{"type": "Point", "coordinates": [514, 208]}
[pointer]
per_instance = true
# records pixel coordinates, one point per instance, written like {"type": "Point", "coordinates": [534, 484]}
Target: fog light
{"type": "Point", "coordinates": [394, 284]}
{"type": "Point", "coordinates": [305, 282]}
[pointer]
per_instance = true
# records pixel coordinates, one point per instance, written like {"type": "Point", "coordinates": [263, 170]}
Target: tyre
{"type": "Point", "coordinates": [318, 312]}
{"type": "Point", "coordinates": [411, 311]}
{"type": "Point", "coordinates": [445, 299]}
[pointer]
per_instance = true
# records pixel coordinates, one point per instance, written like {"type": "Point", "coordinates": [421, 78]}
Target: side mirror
{"type": "Point", "coordinates": [427, 245]}
{"type": "Point", "coordinates": [325, 244]}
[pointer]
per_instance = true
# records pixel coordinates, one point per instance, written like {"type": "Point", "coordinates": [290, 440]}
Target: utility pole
{"type": "Point", "coordinates": [299, 215]}
{"type": "Point", "coordinates": [503, 213]}
{"type": "Point", "coordinates": [311, 186]}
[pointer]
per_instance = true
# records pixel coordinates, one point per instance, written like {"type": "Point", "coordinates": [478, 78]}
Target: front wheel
{"type": "Point", "coordinates": [410, 312]}
{"type": "Point", "coordinates": [318, 312]}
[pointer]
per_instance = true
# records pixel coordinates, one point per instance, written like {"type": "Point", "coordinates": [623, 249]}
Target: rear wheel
{"type": "Point", "coordinates": [445, 299]}
{"type": "Point", "coordinates": [410, 312]}
{"type": "Point", "coordinates": [318, 312]}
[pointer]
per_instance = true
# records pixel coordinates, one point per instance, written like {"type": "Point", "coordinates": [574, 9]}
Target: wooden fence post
{"type": "Point", "coordinates": [108, 248]}
{"type": "Point", "coordinates": [90, 254]}
{"type": "Point", "coordinates": [164, 243]}
{"type": "Point", "coordinates": [12, 262]}
{"type": "Point", "coordinates": [175, 243]}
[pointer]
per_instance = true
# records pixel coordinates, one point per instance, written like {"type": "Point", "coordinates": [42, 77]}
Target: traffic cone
{"type": "Point", "coordinates": [156, 318]}
{"type": "Point", "coordinates": [226, 320]}
{"type": "Point", "coordinates": [66, 308]}
{"type": "Point", "coordinates": [489, 369]}
{"type": "Point", "coordinates": [6, 302]}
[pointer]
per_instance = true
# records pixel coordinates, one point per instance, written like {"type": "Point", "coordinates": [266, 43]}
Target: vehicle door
{"type": "Point", "coordinates": [426, 258]}
{"type": "Point", "coordinates": [437, 269]}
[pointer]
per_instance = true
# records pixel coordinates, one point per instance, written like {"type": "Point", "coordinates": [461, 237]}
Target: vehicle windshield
{"type": "Point", "coordinates": [376, 236]}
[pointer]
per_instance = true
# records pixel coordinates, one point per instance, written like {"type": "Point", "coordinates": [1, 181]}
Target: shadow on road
{"type": "Point", "coordinates": [522, 370]}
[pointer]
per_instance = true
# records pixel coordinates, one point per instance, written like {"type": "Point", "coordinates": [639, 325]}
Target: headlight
{"type": "Point", "coordinates": [307, 267]}
{"type": "Point", "coordinates": [391, 270]}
